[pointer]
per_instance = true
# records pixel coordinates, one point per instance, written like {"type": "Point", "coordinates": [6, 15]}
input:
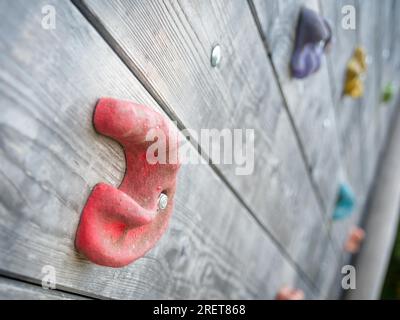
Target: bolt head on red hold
{"type": "Point", "coordinates": [162, 201]}
{"type": "Point", "coordinates": [119, 225]}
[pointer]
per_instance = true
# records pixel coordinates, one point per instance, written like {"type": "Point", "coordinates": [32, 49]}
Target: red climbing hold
{"type": "Point", "coordinates": [118, 226]}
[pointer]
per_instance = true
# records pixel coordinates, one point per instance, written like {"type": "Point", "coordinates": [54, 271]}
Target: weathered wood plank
{"type": "Point", "coordinates": [347, 110]}
{"type": "Point", "coordinates": [381, 224]}
{"type": "Point", "coordinates": [394, 59]}
{"type": "Point", "coordinates": [309, 100]}
{"type": "Point", "coordinates": [377, 33]}
{"type": "Point", "coordinates": [368, 17]}
{"type": "Point", "coordinates": [17, 290]}
{"type": "Point", "coordinates": [51, 157]}
{"type": "Point", "coordinates": [168, 45]}
{"type": "Point", "coordinates": [374, 116]}
{"type": "Point", "coordinates": [395, 56]}
{"type": "Point", "coordinates": [386, 56]}
{"type": "Point", "coordinates": [328, 277]}
{"type": "Point", "coordinates": [356, 143]}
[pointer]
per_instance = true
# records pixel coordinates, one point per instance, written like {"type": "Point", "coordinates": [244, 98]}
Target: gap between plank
{"type": "Point", "coordinates": [34, 282]}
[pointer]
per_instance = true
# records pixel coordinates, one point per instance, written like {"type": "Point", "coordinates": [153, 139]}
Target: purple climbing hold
{"type": "Point", "coordinates": [313, 34]}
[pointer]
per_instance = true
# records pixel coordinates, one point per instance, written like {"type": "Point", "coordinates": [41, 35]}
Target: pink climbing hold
{"type": "Point", "coordinates": [118, 226]}
{"type": "Point", "coordinates": [354, 240]}
{"type": "Point", "coordinates": [287, 293]}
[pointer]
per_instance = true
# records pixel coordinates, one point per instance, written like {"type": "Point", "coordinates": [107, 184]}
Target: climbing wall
{"type": "Point", "coordinates": [230, 236]}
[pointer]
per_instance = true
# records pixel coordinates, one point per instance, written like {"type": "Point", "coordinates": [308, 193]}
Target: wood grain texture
{"type": "Point", "coordinates": [328, 277]}
{"type": "Point", "coordinates": [51, 157]}
{"type": "Point", "coordinates": [309, 100]}
{"type": "Point", "coordinates": [17, 290]}
{"type": "Point", "coordinates": [388, 50]}
{"type": "Point", "coordinates": [167, 45]}
{"type": "Point", "coordinates": [395, 56]}
{"type": "Point", "coordinates": [347, 111]}
{"type": "Point", "coordinates": [364, 129]}
{"type": "Point", "coordinates": [376, 34]}
{"type": "Point", "coordinates": [368, 17]}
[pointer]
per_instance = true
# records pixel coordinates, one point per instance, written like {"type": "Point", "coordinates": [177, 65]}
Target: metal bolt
{"type": "Point", "coordinates": [216, 55]}
{"type": "Point", "coordinates": [385, 54]}
{"type": "Point", "coordinates": [162, 201]}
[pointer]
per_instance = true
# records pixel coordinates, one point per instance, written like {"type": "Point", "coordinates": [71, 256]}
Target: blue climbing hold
{"type": "Point", "coordinates": [313, 34]}
{"type": "Point", "coordinates": [345, 202]}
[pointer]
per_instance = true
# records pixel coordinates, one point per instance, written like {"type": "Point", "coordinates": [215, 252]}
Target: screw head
{"type": "Point", "coordinates": [327, 123]}
{"type": "Point", "coordinates": [385, 54]}
{"type": "Point", "coordinates": [162, 201]}
{"type": "Point", "coordinates": [216, 55]}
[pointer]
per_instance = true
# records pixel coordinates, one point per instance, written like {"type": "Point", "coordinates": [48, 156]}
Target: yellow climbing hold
{"type": "Point", "coordinates": [355, 67]}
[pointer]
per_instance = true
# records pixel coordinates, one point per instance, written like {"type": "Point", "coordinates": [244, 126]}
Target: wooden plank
{"type": "Point", "coordinates": [51, 157]}
{"type": "Point", "coordinates": [347, 110]}
{"type": "Point", "coordinates": [310, 103]}
{"type": "Point", "coordinates": [368, 24]}
{"type": "Point", "coordinates": [348, 115]}
{"type": "Point", "coordinates": [327, 277]}
{"type": "Point", "coordinates": [350, 118]}
{"type": "Point", "coordinates": [395, 56]}
{"type": "Point", "coordinates": [378, 31]}
{"type": "Point", "coordinates": [309, 100]}
{"type": "Point", "coordinates": [167, 45]}
{"type": "Point", "coordinates": [386, 56]}
{"type": "Point", "coordinates": [341, 50]}
{"type": "Point", "coordinates": [17, 290]}
{"type": "Point", "coordinates": [381, 224]}
{"type": "Point", "coordinates": [394, 60]}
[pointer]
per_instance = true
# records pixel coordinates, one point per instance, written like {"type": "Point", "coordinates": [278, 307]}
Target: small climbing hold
{"type": "Point", "coordinates": [313, 35]}
{"type": "Point", "coordinates": [345, 202]}
{"type": "Point", "coordinates": [355, 68]}
{"type": "Point", "coordinates": [287, 293]}
{"type": "Point", "coordinates": [388, 91]}
{"type": "Point", "coordinates": [353, 242]}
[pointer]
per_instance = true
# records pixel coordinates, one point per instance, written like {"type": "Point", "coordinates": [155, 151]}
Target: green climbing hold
{"type": "Point", "coordinates": [387, 94]}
